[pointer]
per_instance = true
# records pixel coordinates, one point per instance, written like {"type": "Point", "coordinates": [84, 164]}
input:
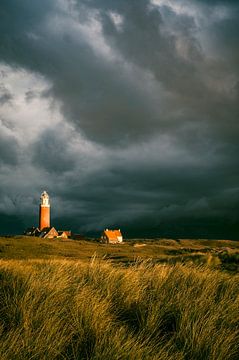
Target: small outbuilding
{"type": "Point", "coordinates": [112, 236]}
{"type": "Point", "coordinates": [64, 234]}
{"type": "Point", "coordinates": [33, 231]}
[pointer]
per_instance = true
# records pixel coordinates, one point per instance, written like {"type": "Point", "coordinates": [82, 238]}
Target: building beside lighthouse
{"type": "Point", "coordinates": [112, 236]}
{"type": "Point", "coordinates": [44, 211]}
{"type": "Point", "coordinates": [45, 230]}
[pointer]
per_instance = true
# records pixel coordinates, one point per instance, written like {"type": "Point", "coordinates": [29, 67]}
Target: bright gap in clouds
{"type": "Point", "coordinates": [30, 108]}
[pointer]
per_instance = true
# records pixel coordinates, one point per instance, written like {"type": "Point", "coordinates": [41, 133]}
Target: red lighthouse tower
{"type": "Point", "coordinates": [44, 211]}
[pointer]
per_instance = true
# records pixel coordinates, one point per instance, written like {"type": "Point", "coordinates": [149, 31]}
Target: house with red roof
{"type": "Point", "coordinates": [112, 236]}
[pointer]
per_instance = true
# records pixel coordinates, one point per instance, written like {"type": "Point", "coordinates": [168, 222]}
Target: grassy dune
{"type": "Point", "coordinates": [152, 300]}
{"type": "Point", "coordinates": [216, 253]}
{"type": "Point", "coordinates": [69, 309]}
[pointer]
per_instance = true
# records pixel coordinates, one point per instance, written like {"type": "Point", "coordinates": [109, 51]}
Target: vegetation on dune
{"type": "Point", "coordinates": [67, 309]}
{"type": "Point", "coordinates": [220, 254]}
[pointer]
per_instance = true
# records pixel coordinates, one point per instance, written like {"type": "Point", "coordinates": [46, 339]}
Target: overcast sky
{"type": "Point", "coordinates": [125, 111]}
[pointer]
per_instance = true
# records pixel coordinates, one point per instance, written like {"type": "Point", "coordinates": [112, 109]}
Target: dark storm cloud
{"type": "Point", "coordinates": [144, 29]}
{"type": "Point", "coordinates": [30, 95]}
{"type": "Point", "coordinates": [8, 150]}
{"type": "Point", "coordinates": [212, 3]}
{"type": "Point", "coordinates": [96, 97]}
{"type": "Point", "coordinates": [146, 39]}
{"type": "Point", "coordinates": [5, 97]}
{"type": "Point", "coordinates": [93, 94]}
{"type": "Point", "coordinates": [153, 89]}
{"type": "Point", "coordinates": [159, 196]}
{"type": "Point", "coordinates": [50, 152]}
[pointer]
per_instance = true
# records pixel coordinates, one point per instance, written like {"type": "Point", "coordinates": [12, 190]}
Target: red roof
{"type": "Point", "coordinates": [112, 234]}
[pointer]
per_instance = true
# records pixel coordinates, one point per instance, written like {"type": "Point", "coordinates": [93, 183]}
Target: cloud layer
{"type": "Point", "coordinates": [125, 111]}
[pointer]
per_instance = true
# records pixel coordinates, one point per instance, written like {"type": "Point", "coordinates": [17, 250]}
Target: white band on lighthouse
{"type": "Point", "coordinates": [45, 200]}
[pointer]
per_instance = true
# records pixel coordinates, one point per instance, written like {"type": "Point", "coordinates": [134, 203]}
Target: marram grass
{"type": "Point", "coordinates": [62, 309]}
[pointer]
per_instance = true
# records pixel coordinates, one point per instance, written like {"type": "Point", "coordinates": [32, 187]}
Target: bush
{"type": "Point", "coordinates": [230, 262]}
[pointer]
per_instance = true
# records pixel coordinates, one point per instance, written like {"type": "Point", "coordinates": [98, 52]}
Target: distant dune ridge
{"type": "Point", "coordinates": [219, 254]}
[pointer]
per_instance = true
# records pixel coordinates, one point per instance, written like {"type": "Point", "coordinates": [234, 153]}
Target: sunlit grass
{"type": "Point", "coordinates": [222, 254]}
{"type": "Point", "coordinates": [67, 309]}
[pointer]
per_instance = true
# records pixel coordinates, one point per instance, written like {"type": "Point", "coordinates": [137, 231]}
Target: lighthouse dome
{"type": "Point", "coordinates": [45, 200]}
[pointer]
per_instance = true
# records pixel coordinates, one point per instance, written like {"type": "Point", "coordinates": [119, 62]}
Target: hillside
{"type": "Point", "coordinates": [67, 309]}
{"type": "Point", "coordinates": [216, 253]}
{"type": "Point", "coordinates": [141, 300]}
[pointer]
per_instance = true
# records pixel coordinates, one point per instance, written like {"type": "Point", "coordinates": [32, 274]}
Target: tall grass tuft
{"type": "Point", "coordinates": [59, 309]}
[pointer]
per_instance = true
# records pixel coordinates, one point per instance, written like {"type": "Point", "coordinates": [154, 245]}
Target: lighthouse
{"type": "Point", "coordinates": [44, 211]}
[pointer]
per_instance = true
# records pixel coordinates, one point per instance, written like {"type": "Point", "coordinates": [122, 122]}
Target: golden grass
{"type": "Point", "coordinates": [69, 309]}
{"type": "Point", "coordinates": [159, 250]}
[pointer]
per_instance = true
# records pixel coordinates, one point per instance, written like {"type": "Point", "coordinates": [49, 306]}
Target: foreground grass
{"type": "Point", "coordinates": [68, 309]}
